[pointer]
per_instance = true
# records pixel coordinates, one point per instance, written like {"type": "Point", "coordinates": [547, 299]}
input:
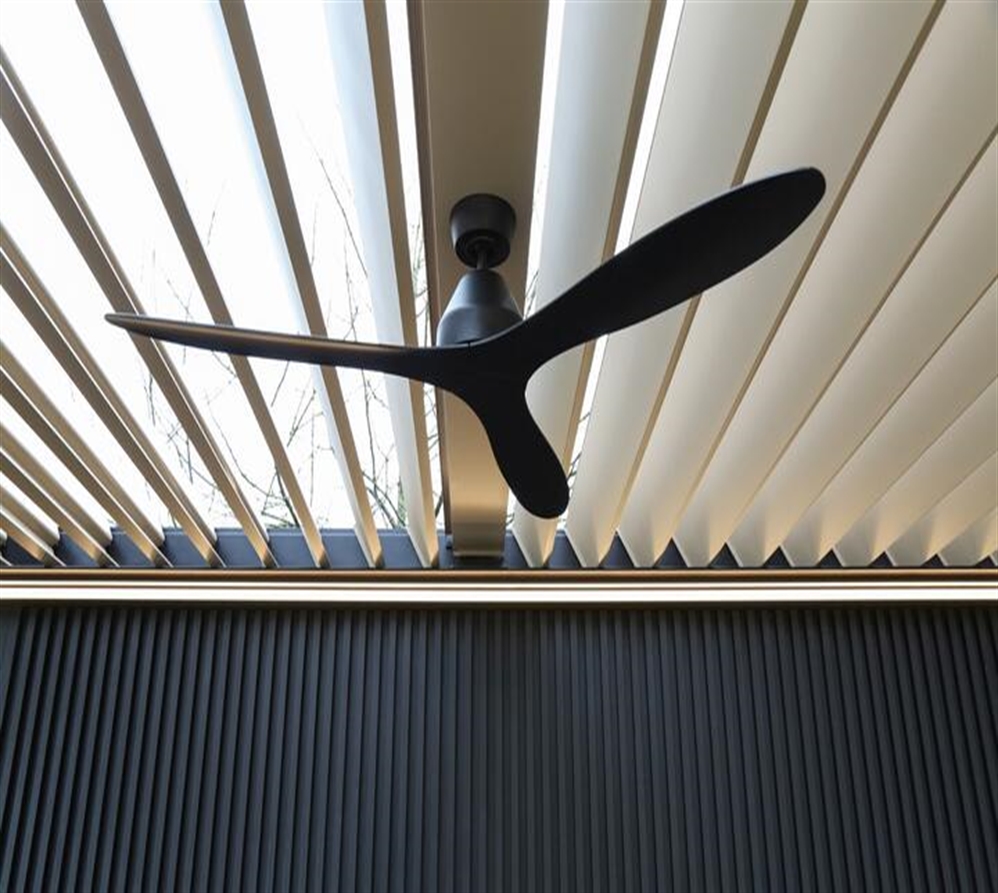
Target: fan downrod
{"type": "Point", "coordinates": [482, 228]}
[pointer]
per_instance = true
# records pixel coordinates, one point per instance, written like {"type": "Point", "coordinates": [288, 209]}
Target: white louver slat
{"type": "Point", "coordinates": [841, 78]}
{"type": "Point", "coordinates": [926, 148]}
{"type": "Point", "coordinates": [974, 544]}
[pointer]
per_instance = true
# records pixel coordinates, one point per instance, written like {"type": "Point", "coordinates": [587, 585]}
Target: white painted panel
{"type": "Point", "coordinates": [975, 495]}
{"type": "Point", "coordinates": [845, 59]}
{"type": "Point", "coordinates": [962, 368]}
{"type": "Point", "coordinates": [962, 448]}
{"type": "Point", "coordinates": [600, 54]}
{"type": "Point", "coordinates": [971, 546]}
{"type": "Point", "coordinates": [722, 60]}
{"type": "Point", "coordinates": [942, 119]}
{"type": "Point", "coordinates": [949, 274]}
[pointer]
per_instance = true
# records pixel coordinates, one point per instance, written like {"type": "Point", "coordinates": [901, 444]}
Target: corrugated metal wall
{"type": "Point", "coordinates": [689, 749]}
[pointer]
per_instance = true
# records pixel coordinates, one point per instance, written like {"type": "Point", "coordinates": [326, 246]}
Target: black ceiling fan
{"type": "Point", "coordinates": [486, 353]}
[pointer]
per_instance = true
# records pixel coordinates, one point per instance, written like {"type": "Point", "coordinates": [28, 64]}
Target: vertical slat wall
{"type": "Point", "coordinates": [690, 749]}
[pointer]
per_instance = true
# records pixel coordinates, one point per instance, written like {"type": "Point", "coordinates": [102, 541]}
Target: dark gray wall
{"type": "Point", "coordinates": [700, 749]}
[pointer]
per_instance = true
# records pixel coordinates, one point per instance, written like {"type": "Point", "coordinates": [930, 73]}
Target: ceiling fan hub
{"type": "Point", "coordinates": [480, 306]}
{"type": "Point", "coordinates": [482, 227]}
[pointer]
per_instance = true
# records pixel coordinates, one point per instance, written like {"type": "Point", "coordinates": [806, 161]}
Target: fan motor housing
{"type": "Point", "coordinates": [481, 306]}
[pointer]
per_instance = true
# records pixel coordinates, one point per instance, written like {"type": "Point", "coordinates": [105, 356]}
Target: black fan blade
{"type": "Point", "coordinates": [670, 265]}
{"type": "Point", "coordinates": [438, 365]}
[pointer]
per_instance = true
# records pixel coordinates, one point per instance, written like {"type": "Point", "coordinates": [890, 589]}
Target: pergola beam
{"type": "Point", "coordinates": [126, 88]}
{"type": "Point", "coordinates": [36, 548]}
{"type": "Point", "coordinates": [42, 155]}
{"type": "Point", "coordinates": [40, 526]}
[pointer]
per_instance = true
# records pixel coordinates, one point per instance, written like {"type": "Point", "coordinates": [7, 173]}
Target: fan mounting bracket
{"type": "Point", "coordinates": [482, 227]}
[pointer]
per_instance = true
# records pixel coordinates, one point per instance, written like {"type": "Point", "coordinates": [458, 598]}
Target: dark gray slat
{"type": "Point", "coordinates": [513, 710]}
{"type": "Point", "coordinates": [346, 878]}
{"type": "Point", "coordinates": [795, 769]}
{"type": "Point", "coordinates": [107, 829]}
{"type": "Point", "coordinates": [969, 686]}
{"type": "Point", "coordinates": [291, 772]}
{"type": "Point", "coordinates": [386, 754]}
{"type": "Point", "coordinates": [611, 749]}
{"type": "Point", "coordinates": [98, 775]}
{"type": "Point", "coordinates": [988, 650]}
{"type": "Point", "coordinates": [398, 822]}
{"type": "Point", "coordinates": [736, 790]}
{"type": "Point", "coordinates": [145, 799]}
{"type": "Point", "coordinates": [882, 830]}
{"type": "Point", "coordinates": [272, 825]}
{"type": "Point", "coordinates": [969, 772]}
{"type": "Point", "coordinates": [96, 695]}
{"type": "Point", "coordinates": [112, 871]}
{"type": "Point", "coordinates": [465, 805]}
{"type": "Point", "coordinates": [63, 798]}
{"type": "Point", "coordinates": [232, 827]}
{"type": "Point", "coordinates": [163, 768]}
{"type": "Point", "coordinates": [14, 714]}
{"type": "Point", "coordinates": [369, 755]}
{"type": "Point", "coordinates": [190, 788]}
{"type": "Point", "coordinates": [825, 750]}
{"type": "Point", "coordinates": [560, 779]}
{"type": "Point", "coordinates": [306, 783]}
{"type": "Point", "coordinates": [494, 751]}
{"type": "Point", "coordinates": [33, 860]}
{"type": "Point", "coordinates": [673, 751]}
{"type": "Point", "coordinates": [319, 820]}
{"type": "Point", "coordinates": [480, 678]}
{"type": "Point", "coordinates": [721, 771]}
{"type": "Point", "coordinates": [532, 854]}
{"type": "Point", "coordinates": [778, 731]}
{"type": "Point", "coordinates": [22, 809]}
{"type": "Point", "coordinates": [191, 687]}
{"type": "Point", "coordinates": [769, 813]}
{"type": "Point", "coordinates": [415, 819]}
{"type": "Point", "coordinates": [550, 756]}
{"type": "Point", "coordinates": [925, 673]}
{"type": "Point", "coordinates": [706, 803]}
{"type": "Point", "coordinates": [860, 777]}
{"type": "Point", "coordinates": [252, 845]}
{"type": "Point", "coordinates": [642, 752]}
{"type": "Point", "coordinates": [840, 749]}
{"type": "Point", "coordinates": [223, 713]}
{"type": "Point", "coordinates": [624, 724]}
{"type": "Point", "coordinates": [752, 766]}
{"type": "Point", "coordinates": [431, 766]}
{"type": "Point", "coordinates": [448, 753]}
{"type": "Point", "coordinates": [912, 729]}
{"type": "Point", "coordinates": [580, 755]}
{"type": "Point", "coordinates": [10, 639]}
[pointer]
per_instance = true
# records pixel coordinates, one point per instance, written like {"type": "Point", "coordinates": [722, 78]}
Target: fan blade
{"type": "Point", "coordinates": [440, 366]}
{"type": "Point", "coordinates": [670, 265]}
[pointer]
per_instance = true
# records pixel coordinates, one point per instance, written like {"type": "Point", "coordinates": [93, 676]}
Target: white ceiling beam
{"type": "Point", "coordinates": [845, 68]}
{"type": "Point", "coordinates": [963, 447]}
{"type": "Point", "coordinates": [43, 313]}
{"type": "Point", "coordinates": [941, 122]}
{"type": "Point", "coordinates": [126, 88]}
{"type": "Point", "coordinates": [725, 66]}
{"type": "Point", "coordinates": [911, 325]}
{"type": "Point", "coordinates": [602, 83]}
{"type": "Point", "coordinates": [52, 499]}
{"type": "Point", "coordinates": [974, 544]}
{"type": "Point", "coordinates": [36, 548]}
{"type": "Point", "coordinates": [974, 496]}
{"type": "Point", "coordinates": [327, 381]}
{"type": "Point", "coordinates": [39, 525]}
{"type": "Point", "coordinates": [41, 414]}
{"type": "Point", "coordinates": [963, 367]}
{"type": "Point", "coordinates": [477, 72]}
{"type": "Point", "coordinates": [40, 152]}
{"type": "Point", "coordinates": [361, 57]}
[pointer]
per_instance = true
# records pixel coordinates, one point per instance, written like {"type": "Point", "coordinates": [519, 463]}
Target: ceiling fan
{"type": "Point", "coordinates": [486, 353]}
